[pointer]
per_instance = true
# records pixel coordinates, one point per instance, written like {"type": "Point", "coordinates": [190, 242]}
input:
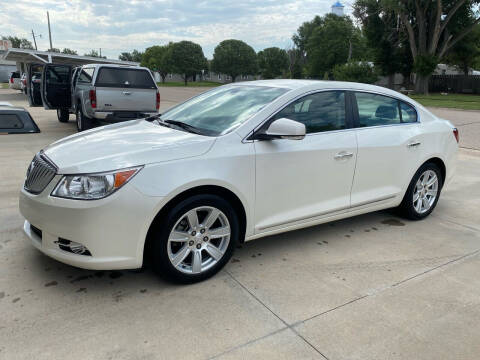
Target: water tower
{"type": "Point", "coordinates": [337, 9]}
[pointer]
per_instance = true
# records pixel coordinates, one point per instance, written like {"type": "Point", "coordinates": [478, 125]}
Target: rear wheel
{"type": "Point", "coordinates": [83, 122]}
{"type": "Point", "coordinates": [196, 239]}
{"type": "Point", "coordinates": [423, 192]}
{"type": "Point", "coordinates": [63, 115]}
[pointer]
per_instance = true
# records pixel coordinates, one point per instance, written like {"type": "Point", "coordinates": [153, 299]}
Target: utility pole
{"type": "Point", "coordinates": [49, 32]}
{"type": "Point", "coordinates": [34, 40]}
{"type": "Point", "coordinates": [100, 52]}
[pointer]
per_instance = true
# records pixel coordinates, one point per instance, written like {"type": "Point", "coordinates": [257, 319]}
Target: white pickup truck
{"type": "Point", "coordinates": [99, 94]}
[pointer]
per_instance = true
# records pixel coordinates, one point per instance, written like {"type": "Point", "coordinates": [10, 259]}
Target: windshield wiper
{"type": "Point", "coordinates": [183, 126]}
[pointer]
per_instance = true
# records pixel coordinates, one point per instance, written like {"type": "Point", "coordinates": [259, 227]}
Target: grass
{"type": "Point", "coordinates": [3, 85]}
{"type": "Point", "coordinates": [454, 101]}
{"type": "Point", "coordinates": [190, 84]}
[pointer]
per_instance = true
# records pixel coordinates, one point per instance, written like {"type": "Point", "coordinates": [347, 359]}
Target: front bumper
{"type": "Point", "coordinates": [113, 229]}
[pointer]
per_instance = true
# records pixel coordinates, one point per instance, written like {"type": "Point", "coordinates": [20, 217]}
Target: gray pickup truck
{"type": "Point", "coordinates": [99, 94]}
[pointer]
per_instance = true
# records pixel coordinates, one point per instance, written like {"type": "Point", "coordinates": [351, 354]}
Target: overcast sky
{"type": "Point", "coordinates": [124, 25]}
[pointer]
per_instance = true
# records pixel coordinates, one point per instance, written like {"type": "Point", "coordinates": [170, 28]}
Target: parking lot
{"type": "Point", "coordinates": [371, 287]}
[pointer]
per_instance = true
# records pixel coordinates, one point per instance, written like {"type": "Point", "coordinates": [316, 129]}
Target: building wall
{"type": "Point", "coordinates": [213, 77]}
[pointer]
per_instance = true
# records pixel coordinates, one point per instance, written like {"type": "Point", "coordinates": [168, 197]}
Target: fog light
{"type": "Point", "coordinates": [72, 247]}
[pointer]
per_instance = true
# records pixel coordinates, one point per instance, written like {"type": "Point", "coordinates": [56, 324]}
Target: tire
{"type": "Point", "coordinates": [83, 122]}
{"type": "Point", "coordinates": [203, 247]}
{"type": "Point", "coordinates": [63, 115]}
{"type": "Point", "coordinates": [419, 200]}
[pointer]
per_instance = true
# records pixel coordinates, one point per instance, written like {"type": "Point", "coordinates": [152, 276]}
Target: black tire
{"type": "Point", "coordinates": [83, 122]}
{"type": "Point", "coordinates": [161, 231]}
{"type": "Point", "coordinates": [407, 208]}
{"type": "Point", "coordinates": [63, 115]}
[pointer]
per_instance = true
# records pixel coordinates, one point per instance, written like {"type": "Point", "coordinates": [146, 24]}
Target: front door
{"type": "Point", "coordinates": [56, 86]}
{"type": "Point", "coordinates": [299, 180]}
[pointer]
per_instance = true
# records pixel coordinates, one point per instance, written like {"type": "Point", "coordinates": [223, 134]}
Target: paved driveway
{"type": "Point", "coordinates": [371, 287]}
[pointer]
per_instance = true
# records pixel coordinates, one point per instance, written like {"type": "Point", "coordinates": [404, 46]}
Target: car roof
{"type": "Point", "coordinates": [114, 66]}
{"type": "Point", "coordinates": [312, 85]}
{"type": "Point", "coordinates": [11, 108]}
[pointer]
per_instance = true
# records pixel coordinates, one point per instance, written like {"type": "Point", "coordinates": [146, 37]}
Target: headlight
{"type": "Point", "coordinates": [93, 186]}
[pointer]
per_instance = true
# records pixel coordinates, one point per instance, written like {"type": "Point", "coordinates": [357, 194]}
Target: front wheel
{"type": "Point", "coordinates": [63, 115]}
{"type": "Point", "coordinates": [423, 192]}
{"type": "Point", "coordinates": [196, 239]}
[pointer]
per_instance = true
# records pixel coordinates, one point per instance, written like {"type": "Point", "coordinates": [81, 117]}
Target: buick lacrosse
{"type": "Point", "coordinates": [236, 163]}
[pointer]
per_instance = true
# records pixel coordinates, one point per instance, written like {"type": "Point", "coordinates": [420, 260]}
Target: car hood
{"type": "Point", "coordinates": [131, 143]}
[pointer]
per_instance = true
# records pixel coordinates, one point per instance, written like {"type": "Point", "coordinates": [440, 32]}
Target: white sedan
{"type": "Point", "coordinates": [236, 163]}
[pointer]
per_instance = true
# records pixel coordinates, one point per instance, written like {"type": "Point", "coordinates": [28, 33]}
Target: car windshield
{"type": "Point", "coordinates": [220, 110]}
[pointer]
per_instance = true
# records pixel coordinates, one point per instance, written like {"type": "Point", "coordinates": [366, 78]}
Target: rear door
{"type": "Point", "coordinates": [389, 147]}
{"type": "Point", "coordinates": [56, 86]}
{"type": "Point", "coordinates": [125, 89]}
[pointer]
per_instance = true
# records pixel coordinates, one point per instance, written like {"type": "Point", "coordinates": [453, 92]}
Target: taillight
{"type": "Point", "coordinates": [455, 133]}
{"type": "Point", "coordinates": [158, 100]}
{"type": "Point", "coordinates": [93, 98]}
{"type": "Point", "coordinates": [11, 80]}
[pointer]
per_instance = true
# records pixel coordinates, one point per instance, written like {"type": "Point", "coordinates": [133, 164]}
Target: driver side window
{"type": "Point", "coordinates": [322, 111]}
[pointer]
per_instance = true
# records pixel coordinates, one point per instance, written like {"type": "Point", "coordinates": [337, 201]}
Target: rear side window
{"type": "Point", "coordinates": [376, 110]}
{"type": "Point", "coordinates": [322, 111]}
{"type": "Point", "coordinates": [130, 78]}
{"type": "Point", "coordinates": [86, 75]}
{"type": "Point", "coordinates": [15, 75]}
{"type": "Point", "coordinates": [10, 121]}
{"type": "Point", "coordinates": [407, 113]}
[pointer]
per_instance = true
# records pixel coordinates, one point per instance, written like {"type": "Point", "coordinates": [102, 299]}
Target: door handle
{"type": "Point", "coordinates": [126, 92]}
{"type": "Point", "coordinates": [414, 144]}
{"type": "Point", "coordinates": [343, 155]}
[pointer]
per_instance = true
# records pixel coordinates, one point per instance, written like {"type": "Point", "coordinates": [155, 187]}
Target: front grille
{"type": "Point", "coordinates": [39, 174]}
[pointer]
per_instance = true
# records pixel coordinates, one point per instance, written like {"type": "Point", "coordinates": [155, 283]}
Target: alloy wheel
{"type": "Point", "coordinates": [425, 192]}
{"type": "Point", "coordinates": [198, 240]}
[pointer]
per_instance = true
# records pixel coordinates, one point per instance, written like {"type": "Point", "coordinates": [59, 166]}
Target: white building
{"type": "Point", "coordinates": [337, 9]}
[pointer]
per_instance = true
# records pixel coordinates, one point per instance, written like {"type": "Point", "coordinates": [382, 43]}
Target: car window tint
{"type": "Point", "coordinates": [322, 111]}
{"type": "Point", "coordinates": [10, 121]}
{"type": "Point", "coordinates": [409, 114]}
{"type": "Point", "coordinates": [117, 77]}
{"type": "Point", "coordinates": [15, 75]}
{"type": "Point", "coordinates": [85, 75]}
{"type": "Point", "coordinates": [57, 75]}
{"type": "Point", "coordinates": [374, 110]}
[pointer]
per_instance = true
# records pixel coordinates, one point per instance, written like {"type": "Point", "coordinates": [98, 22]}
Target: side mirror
{"type": "Point", "coordinates": [283, 129]}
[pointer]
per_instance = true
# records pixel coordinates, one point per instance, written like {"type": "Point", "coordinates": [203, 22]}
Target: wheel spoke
{"type": "Point", "coordinates": [416, 197]}
{"type": "Point", "coordinates": [214, 252]}
{"type": "Point", "coordinates": [192, 218]}
{"type": "Point", "coordinates": [219, 232]}
{"type": "Point", "coordinates": [432, 181]}
{"type": "Point", "coordinates": [425, 204]}
{"type": "Point", "coordinates": [211, 218]}
{"type": "Point", "coordinates": [432, 193]}
{"type": "Point", "coordinates": [418, 207]}
{"type": "Point", "coordinates": [180, 256]}
{"type": "Point", "coordinates": [178, 236]}
{"type": "Point", "coordinates": [197, 262]}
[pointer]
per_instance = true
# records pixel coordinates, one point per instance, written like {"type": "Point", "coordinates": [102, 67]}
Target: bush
{"type": "Point", "coordinates": [361, 72]}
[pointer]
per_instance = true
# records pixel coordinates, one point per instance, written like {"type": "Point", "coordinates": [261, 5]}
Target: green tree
{"type": "Point", "coordinates": [234, 58]}
{"type": "Point", "coordinates": [135, 56]}
{"type": "Point", "coordinates": [328, 41]}
{"type": "Point", "coordinates": [272, 62]}
{"type": "Point", "coordinates": [69, 51]}
{"type": "Point", "coordinates": [356, 71]}
{"type": "Point", "coordinates": [156, 58]}
{"type": "Point", "coordinates": [466, 54]}
{"type": "Point", "coordinates": [19, 43]}
{"type": "Point", "coordinates": [94, 53]}
{"type": "Point", "coordinates": [296, 62]}
{"type": "Point", "coordinates": [433, 29]}
{"type": "Point", "coordinates": [55, 50]}
{"type": "Point", "coordinates": [387, 43]}
{"type": "Point", "coordinates": [186, 58]}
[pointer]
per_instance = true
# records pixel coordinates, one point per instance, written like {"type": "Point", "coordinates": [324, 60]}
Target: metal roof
{"type": "Point", "coordinates": [35, 56]}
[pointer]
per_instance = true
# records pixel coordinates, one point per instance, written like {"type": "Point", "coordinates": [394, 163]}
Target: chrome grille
{"type": "Point", "coordinates": [39, 174]}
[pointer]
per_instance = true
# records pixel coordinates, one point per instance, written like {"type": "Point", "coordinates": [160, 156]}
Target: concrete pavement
{"type": "Point", "coordinates": [370, 287]}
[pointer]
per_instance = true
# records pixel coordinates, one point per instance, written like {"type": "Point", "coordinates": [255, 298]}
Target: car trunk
{"type": "Point", "coordinates": [126, 99]}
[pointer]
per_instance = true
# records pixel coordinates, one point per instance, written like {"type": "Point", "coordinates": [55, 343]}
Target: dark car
{"type": "Point", "coordinates": [16, 120]}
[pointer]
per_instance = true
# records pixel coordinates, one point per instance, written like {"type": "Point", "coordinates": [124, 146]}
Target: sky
{"type": "Point", "coordinates": [116, 26]}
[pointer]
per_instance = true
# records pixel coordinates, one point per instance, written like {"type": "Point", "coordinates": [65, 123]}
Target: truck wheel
{"type": "Point", "coordinates": [63, 115]}
{"type": "Point", "coordinates": [83, 122]}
